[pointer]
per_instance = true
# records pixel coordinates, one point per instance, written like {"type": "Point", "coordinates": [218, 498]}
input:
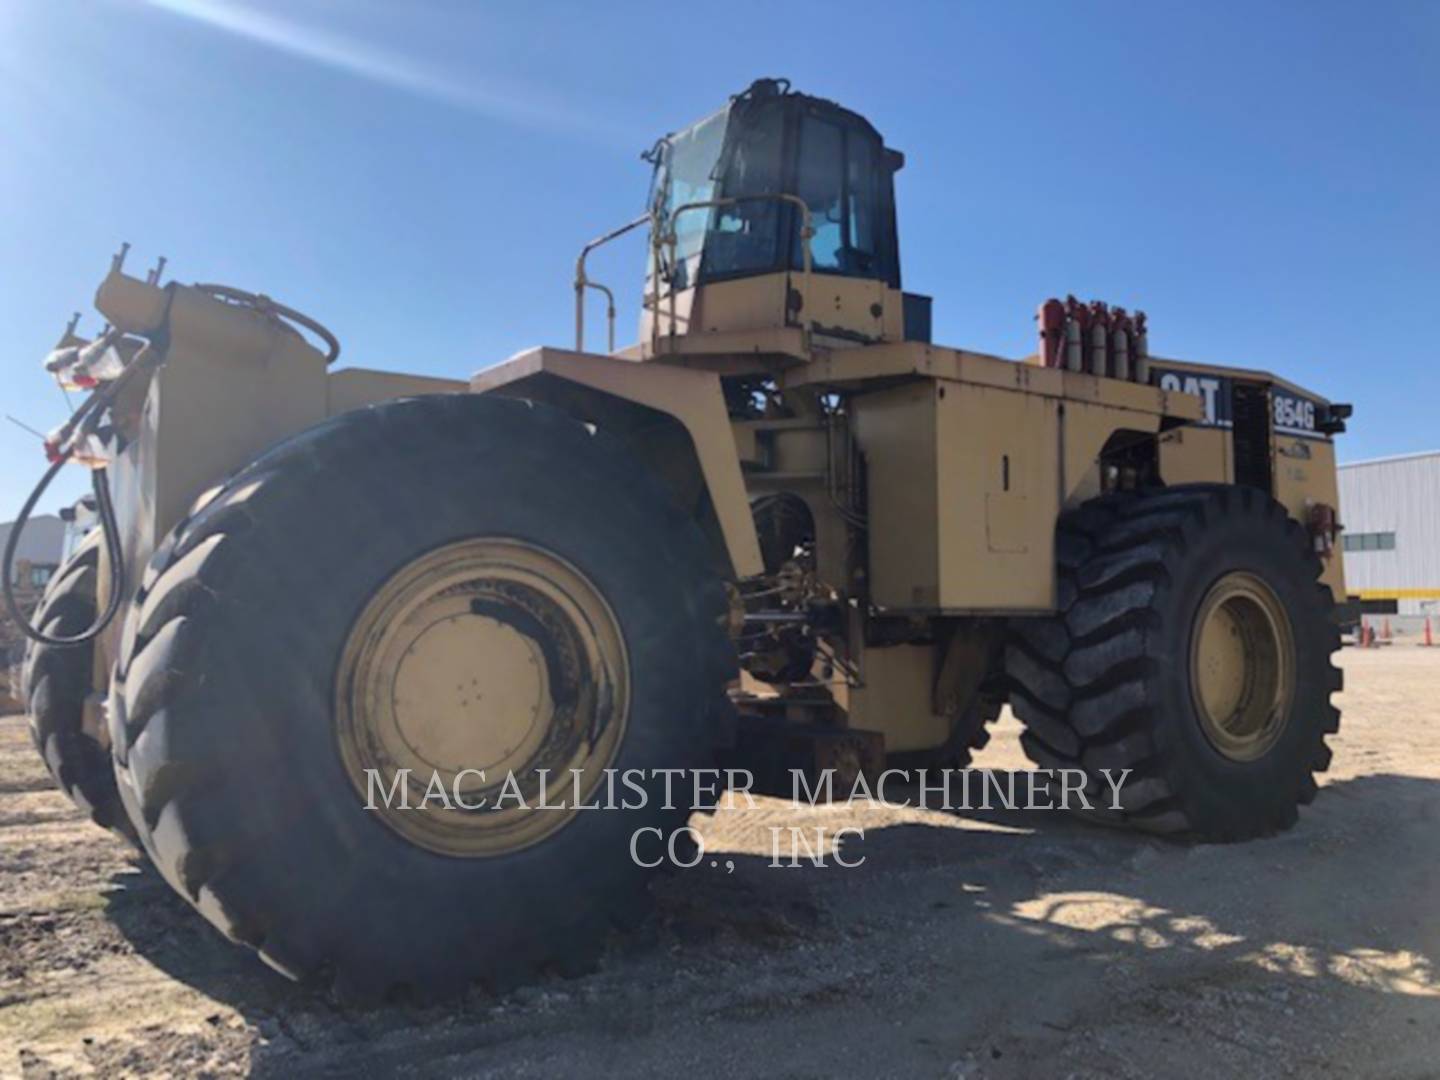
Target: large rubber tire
{"type": "Point", "coordinates": [222, 708]}
{"type": "Point", "coordinates": [1107, 684]}
{"type": "Point", "coordinates": [56, 680]}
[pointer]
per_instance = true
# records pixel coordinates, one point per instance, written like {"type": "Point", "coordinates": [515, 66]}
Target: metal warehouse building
{"type": "Point", "coordinates": [1390, 508]}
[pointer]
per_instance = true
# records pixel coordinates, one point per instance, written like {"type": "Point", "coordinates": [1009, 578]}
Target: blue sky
{"type": "Point", "coordinates": [1263, 179]}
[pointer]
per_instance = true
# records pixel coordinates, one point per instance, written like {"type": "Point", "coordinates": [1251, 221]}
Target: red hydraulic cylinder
{"type": "Point", "coordinates": [1051, 318]}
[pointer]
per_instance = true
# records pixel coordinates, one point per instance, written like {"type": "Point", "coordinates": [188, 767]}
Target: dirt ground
{"type": "Point", "coordinates": [968, 945]}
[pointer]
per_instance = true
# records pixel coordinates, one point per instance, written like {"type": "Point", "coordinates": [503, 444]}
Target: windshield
{"type": "Point", "coordinates": [744, 238]}
{"type": "Point", "coordinates": [687, 175]}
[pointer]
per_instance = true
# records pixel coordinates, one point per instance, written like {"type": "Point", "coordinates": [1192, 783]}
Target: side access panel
{"type": "Point", "coordinates": [970, 460]}
{"type": "Point", "coordinates": [962, 498]}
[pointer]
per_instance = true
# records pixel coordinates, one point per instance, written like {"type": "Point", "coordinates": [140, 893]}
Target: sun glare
{"type": "Point", "coordinates": [344, 53]}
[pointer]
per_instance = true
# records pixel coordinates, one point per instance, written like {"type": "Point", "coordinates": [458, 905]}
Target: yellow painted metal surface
{"type": "Point", "coordinates": [233, 384]}
{"type": "Point", "coordinates": [354, 388]}
{"type": "Point", "coordinates": [834, 310]}
{"type": "Point", "coordinates": [969, 468]}
{"type": "Point", "coordinates": [484, 663]}
{"type": "Point", "coordinates": [693, 398]}
{"type": "Point", "coordinates": [1242, 666]}
{"type": "Point", "coordinates": [1304, 476]}
{"type": "Point", "coordinates": [963, 492]}
{"type": "Point", "coordinates": [1194, 455]}
{"type": "Point", "coordinates": [896, 697]}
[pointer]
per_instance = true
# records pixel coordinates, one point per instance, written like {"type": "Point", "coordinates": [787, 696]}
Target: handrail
{"type": "Point", "coordinates": [609, 317]}
{"type": "Point", "coordinates": [582, 282]}
{"type": "Point", "coordinates": [671, 240]}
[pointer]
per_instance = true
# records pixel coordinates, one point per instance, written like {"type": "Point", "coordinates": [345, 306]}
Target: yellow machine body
{"type": "Point", "coordinates": [932, 477]}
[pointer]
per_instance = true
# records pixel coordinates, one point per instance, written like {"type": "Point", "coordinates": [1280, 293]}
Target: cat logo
{"type": "Point", "coordinates": [1212, 390]}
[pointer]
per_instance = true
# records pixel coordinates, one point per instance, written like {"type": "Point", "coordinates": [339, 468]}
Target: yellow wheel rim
{"type": "Point", "coordinates": [1242, 666]}
{"type": "Point", "coordinates": [484, 669]}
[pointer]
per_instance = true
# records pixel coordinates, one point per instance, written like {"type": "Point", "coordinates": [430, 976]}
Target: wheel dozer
{"type": "Point", "coordinates": [401, 681]}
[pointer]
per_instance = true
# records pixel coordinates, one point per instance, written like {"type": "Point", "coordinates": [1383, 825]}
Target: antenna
{"type": "Point", "coordinates": [25, 427]}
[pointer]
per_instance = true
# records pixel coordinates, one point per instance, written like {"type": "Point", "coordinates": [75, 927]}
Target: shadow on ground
{"type": "Point", "coordinates": [1067, 933]}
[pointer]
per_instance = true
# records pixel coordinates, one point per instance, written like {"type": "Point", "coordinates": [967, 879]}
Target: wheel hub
{"type": "Point", "coordinates": [1242, 666]}
{"type": "Point", "coordinates": [481, 667]}
{"type": "Point", "coordinates": [485, 718]}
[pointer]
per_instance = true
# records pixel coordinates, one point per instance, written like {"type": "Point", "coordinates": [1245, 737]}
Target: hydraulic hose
{"type": "Point", "coordinates": [262, 303]}
{"type": "Point", "coordinates": [113, 550]}
{"type": "Point", "coordinates": [81, 425]}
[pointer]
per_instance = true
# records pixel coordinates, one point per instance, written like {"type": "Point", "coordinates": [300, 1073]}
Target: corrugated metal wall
{"type": "Point", "coordinates": [1399, 495]}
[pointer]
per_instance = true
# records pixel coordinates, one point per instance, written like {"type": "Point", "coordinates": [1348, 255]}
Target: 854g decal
{"type": "Point", "coordinates": [1292, 414]}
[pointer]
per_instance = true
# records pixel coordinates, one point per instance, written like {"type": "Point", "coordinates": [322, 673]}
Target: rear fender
{"type": "Point", "coordinates": [674, 420]}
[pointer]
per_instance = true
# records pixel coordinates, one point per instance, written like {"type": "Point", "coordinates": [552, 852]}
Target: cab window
{"type": "Point", "coordinates": [688, 176]}
{"type": "Point", "coordinates": [744, 237]}
{"type": "Point", "coordinates": [820, 181]}
{"type": "Point", "coordinates": [837, 174]}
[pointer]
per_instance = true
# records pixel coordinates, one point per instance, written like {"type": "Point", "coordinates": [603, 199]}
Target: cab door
{"type": "Point", "coordinates": [838, 174]}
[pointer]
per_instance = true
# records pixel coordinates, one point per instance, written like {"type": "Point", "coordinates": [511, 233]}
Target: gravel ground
{"type": "Point", "coordinates": [967, 945]}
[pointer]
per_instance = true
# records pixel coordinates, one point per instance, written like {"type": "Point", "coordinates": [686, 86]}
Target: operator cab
{"type": "Point", "coordinates": [740, 267]}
